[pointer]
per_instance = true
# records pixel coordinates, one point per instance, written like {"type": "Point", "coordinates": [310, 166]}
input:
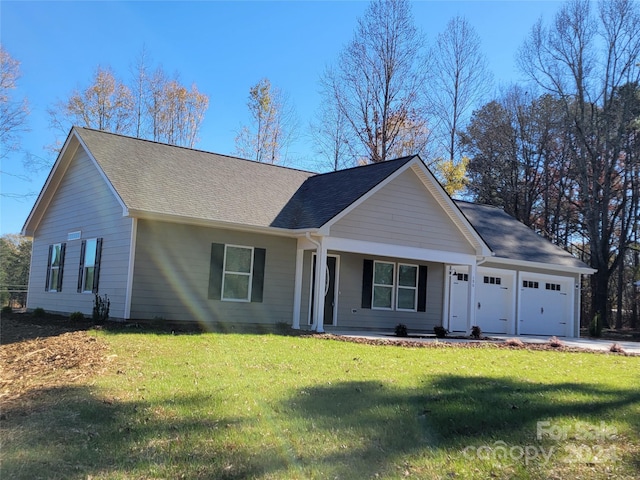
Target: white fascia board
{"type": "Point", "coordinates": [200, 222]}
{"type": "Point", "coordinates": [397, 251]}
{"type": "Point", "coordinates": [451, 209]}
{"type": "Point", "coordinates": [125, 210]}
{"type": "Point", "coordinates": [543, 266]}
{"type": "Point", "coordinates": [51, 184]}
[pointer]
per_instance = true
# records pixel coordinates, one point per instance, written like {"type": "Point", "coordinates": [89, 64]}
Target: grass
{"type": "Point", "coordinates": [230, 406]}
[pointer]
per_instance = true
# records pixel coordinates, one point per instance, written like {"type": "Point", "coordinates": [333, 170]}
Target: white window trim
{"type": "Point", "coordinates": [404, 287]}
{"type": "Point", "coordinates": [54, 288]}
{"type": "Point", "coordinates": [85, 288]}
{"type": "Point", "coordinates": [225, 272]}
{"type": "Point", "coordinates": [374, 285]}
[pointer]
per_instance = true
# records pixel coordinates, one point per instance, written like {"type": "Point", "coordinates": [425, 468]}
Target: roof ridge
{"type": "Point", "coordinates": [368, 165]}
{"type": "Point", "coordinates": [196, 150]}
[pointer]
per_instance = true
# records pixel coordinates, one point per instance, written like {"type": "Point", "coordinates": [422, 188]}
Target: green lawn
{"type": "Point", "coordinates": [267, 406]}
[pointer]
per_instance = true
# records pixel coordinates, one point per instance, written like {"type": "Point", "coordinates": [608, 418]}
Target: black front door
{"type": "Point", "coordinates": [329, 290]}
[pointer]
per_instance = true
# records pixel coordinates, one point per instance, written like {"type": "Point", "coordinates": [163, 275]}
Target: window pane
{"type": "Point", "coordinates": [55, 256]}
{"type": "Point", "coordinates": [88, 278]}
{"type": "Point", "coordinates": [90, 253]}
{"type": "Point", "coordinates": [53, 283]}
{"type": "Point", "coordinates": [383, 274]}
{"type": "Point", "coordinates": [236, 287]}
{"type": "Point", "coordinates": [407, 275]}
{"type": "Point", "coordinates": [382, 297]}
{"type": "Point", "coordinates": [406, 299]}
{"type": "Point", "coordinates": [238, 260]}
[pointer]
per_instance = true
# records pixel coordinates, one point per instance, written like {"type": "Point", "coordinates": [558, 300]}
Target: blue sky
{"type": "Point", "coordinates": [224, 47]}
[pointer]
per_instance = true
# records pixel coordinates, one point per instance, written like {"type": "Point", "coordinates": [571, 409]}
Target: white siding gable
{"type": "Point", "coordinates": [403, 212]}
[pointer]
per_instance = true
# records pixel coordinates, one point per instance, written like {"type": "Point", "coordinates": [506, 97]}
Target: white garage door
{"type": "Point", "coordinates": [546, 305]}
{"type": "Point", "coordinates": [494, 301]}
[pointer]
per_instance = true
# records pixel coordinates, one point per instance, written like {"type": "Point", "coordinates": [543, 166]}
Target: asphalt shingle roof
{"type": "Point", "coordinates": [509, 238]}
{"type": "Point", "coordinates": [157, 178]}
{"type": "Point", "coordinates": [322, 197]}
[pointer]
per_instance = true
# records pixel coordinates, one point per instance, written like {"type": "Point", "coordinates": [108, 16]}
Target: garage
{"type": "Point", "coordinates": [494, 302]}
{"type": "Point", "coordinates": [546, 305]}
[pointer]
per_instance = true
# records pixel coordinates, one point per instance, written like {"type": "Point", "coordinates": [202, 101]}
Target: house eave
{"type": "Point", "coordinates": [211, 223]}
{"type": "Point", "coordinates": [543, 266]}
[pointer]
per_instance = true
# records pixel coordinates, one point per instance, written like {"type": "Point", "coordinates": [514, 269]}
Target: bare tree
{"type": "Point", "coordinates": [273, 124]}
{"type": "Point", "coordinates": [330, 136]}
{"type": "Point", "coordinates": [106, 104]}
{"type": "Point", "coordinates": [584, 60]}
{"type": "Point", "coordinates": [13, 112]}
{"type": "Point", "coordinates": [157, 107]}
{"type": "Point", "coordinates": [379, 79]}
{"type": "Point", "coordinates": [461, 79]}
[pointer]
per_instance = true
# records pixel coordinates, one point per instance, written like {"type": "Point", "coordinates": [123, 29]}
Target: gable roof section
{"type": "Point", "coordinates": [181, 183]}
{"type": "Point", "coordinates": [323, 196]}
{"type": "Point", "coordinates": [513, 240]}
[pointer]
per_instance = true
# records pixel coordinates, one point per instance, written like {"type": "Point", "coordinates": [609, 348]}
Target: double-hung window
{"type": "Point", "coordinates": [89, 270]}
{"type": "Point", "coordinates": [394, 286]}
{"type": "Point", "coordinates": [55, 265]}
{"type": "Point", "coordinates": [383, 285]}
{"type": "Point", "coordinates": [237, 273]}
{"type": "Point", "coordinates": [407, 297]}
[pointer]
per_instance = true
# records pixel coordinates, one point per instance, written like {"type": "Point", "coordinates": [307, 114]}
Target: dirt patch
{"type": "Point", "coordinates": [38, 355]}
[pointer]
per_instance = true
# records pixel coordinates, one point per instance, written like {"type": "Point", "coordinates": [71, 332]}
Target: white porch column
{"type": "Point", "coordinates": [321, 278]}
{"type": "Point", "coordinates": [471, 298]}
{"type": "Point", "coordinates": [297, 289]}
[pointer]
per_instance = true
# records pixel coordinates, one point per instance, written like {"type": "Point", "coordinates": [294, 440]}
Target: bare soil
{"type": "Point", "coordinates": [41, 354]}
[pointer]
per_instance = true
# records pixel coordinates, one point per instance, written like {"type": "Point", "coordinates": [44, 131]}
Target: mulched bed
{"type": "Point", "coordinates": [484, 342]}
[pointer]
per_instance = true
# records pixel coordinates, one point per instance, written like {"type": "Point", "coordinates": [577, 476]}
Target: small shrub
{"type": "Point", "coordinates": [555, 342]}
{"type": "Point", "coordinates": [401, 330]}
{"type": "Point", "coordinates": [616, 348]}
{"type": "Point", "coordinates": [76, 317]}
{"type": "Point", "coordinates": [476, 331]}
{"type": "Point", "coordinates": [38, 312]}
{"type": "Point", "coordinates": [101, 308]}
{"type": "Point", "coordinates": [7, 310]}
{"type": "Point", "coordinates": [595, 327]}
{"type": "Point", "coordinates": [440, 332]}
{"type": "Point", "coordinates": [514, 342]}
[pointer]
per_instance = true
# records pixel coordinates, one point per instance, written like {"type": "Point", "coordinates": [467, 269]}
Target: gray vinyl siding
{"type": "Point", "coordinates": [85, 203]}
{"type": "Point", "coordinates": [403, 213]}
{"type": "Point", "coordinates": [171, 279]}
{"type": "Point", "coordinates": [351, 315]}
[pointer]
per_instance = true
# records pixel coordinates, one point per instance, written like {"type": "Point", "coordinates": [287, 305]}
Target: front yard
{"type": "Point", "coordinates": [213, 405]}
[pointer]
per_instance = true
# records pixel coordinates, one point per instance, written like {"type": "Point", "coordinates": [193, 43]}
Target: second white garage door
{"type": "Point", "coordinates": [546, 305]}
{"type": "Point", "coordinates": [494, 301]}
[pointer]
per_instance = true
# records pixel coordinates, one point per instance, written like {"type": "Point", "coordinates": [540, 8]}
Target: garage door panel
{"type": "Point", "coordinates": [545, 306]}
{"type": "Point", "coordinates": [494, 303]}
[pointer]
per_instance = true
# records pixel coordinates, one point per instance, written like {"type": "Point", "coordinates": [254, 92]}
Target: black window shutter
{"type": "Point", "coordinates": [83, 248]}
{"type": "Point", "coordinates": [215, 271]}
{"type": "Point", "coordinates": [422, 288]}
{"type": "Point", "coordinates": [96, 266]}
{"type": "Point", "coordinates": [367, 283]}
{"type": "Point", "coordinates": [257, 283]}
{"type": "Point", "coordinates": [46, 282]}
{"type": "Point", "coordinates": [63, 247]}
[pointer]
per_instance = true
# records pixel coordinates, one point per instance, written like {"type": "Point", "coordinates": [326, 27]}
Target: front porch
{"type": "Point", "coordinates": [369, 286]}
